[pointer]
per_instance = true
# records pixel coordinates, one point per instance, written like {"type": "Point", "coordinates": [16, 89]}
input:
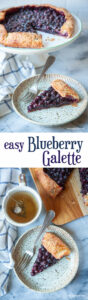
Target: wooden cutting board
{"type": "Point", "coordinates": [68, 205]}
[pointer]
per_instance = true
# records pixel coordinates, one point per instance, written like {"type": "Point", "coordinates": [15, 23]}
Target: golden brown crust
{"type": "Point", "coordinates": [20, 39]}
{"type": "Point", "coordinates": [64, 89]}
{"type": "Point", "coordinates": [85, 198]}
{"type": "Point", "coordinates": [3, 33]}
{"type": "Point", "coordinates": [68, 26]}
{"type": "Point", "coordinates": [54, 245]}
{"type": "Point", "coordinates": [14, 39]}
{"type": "Point", "coordinates": [2, 15]}
{"type": "Point", "coordinates": [49, 185]}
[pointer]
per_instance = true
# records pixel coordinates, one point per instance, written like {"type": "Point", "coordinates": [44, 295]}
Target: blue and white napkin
{"type": "Point", "coordinates": [8, 233]}
{"type": "Point", "coordinates": [13, 70]}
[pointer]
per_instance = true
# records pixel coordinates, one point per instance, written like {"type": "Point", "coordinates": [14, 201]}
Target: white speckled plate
{"type": "Point", "coordinates": [54, 277]}
{"type": "Point", "coordinates": [52, 116]}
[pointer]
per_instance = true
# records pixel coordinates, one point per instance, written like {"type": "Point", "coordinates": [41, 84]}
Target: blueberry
{"type": "Point", "coordinates": [84, 180]}
{"type": "Point", "coordinates": [43, 18]}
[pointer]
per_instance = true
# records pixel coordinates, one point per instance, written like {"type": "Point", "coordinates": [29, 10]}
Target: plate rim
{"type": "Point", "coordinates": [27, 51]}
{"type": "Point", "coordinates": [50, 125]}
{"type": "Point", "coordinates": [75, 269]}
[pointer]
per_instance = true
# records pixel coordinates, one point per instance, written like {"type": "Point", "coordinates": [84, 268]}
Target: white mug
{"type": "Point", "coordinates": [22, 187]}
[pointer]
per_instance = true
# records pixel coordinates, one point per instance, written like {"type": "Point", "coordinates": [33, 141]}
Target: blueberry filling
{"type": "Point", "coordinates": [43, 261]}
{"type": "Point", "coordinates": [34, 18]}
{"type": "Point", "coordinates": [59, 175]}
{"type": "Point", "coordinates": [84, 180]}
{"type": "Point", "coordinates": [49, 98]}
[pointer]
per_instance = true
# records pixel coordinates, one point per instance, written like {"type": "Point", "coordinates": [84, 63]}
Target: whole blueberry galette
{"type": "Point", "coordinates": [58, 94]}
{"type": "Point", "coordinates": [52, 250]}
{"type": "Point", "coordinates": [18, 25]}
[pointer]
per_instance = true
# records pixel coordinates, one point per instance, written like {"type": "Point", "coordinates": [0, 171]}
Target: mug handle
{"type": "Point", "coordinates": [22, 180]}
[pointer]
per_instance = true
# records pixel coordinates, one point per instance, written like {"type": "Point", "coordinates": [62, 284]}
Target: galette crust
{"type": "Point", "coordinates": [85, 198]}
{"type": "Point", "coordinates": [14, 39]}
{"type": "Point", "coordinates": [68, 26]}
{"type": "Point", "coordinates": [49, 185]}
{"type": "Point", "coordinates": [2, 15]}
{"type": "Point", "coordinates": [3, 33]}
{"type": "Point", "coordinates": [54, 245]}
{"type": "Point", "coordinates": [20, 39]}
{"type": "Point", "coordinates": [64, 89]}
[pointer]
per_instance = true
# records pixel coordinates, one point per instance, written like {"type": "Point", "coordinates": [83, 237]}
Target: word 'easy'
{"type": "Point", "coordinates": [14, 146]}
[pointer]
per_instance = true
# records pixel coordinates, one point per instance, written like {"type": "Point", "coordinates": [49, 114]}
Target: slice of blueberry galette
{"type": "Point", "coordinates": [18, 24]}
{"type": "Point", "coordinates": [58, 94]}
{"type": "Point", "coordinates": [84, 184]}
{"type": "Point", "coordinates": [53, 180]}
{"type": "Point", "coordinates": [52, 250]}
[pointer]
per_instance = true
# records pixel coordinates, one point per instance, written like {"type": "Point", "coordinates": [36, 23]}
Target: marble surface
{"type": "Point", "coordinates": [71, 60]}
{"type": "Point", "coordinates": [78, 288]}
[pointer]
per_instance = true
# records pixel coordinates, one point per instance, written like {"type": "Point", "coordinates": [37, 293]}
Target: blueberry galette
{"type": "Point", "coordinates": [18, 25]}
{"type": "Point", "coordinates": [53, 179]}
{"type": "Point", "coordinates": [58, 94]}
{"type": "Point", "coordinates": [84, 184]}
{"type": "Point", "coordinates": [52, 250]}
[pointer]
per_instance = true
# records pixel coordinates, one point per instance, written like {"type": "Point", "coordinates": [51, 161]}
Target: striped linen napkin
{"type": "Point", "coordinates": [8, 233]}
{"type": "Point", "coordinates": [13, 70]}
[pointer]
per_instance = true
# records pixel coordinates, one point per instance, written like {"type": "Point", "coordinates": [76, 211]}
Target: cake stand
{"type": "Point", "coordinates": [51, 43]}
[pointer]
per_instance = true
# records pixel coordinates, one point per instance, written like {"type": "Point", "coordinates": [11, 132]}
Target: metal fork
{"type": "Point", "coordinates": [23, 262]}
{"type": "Point", "coordinates": [33, 90]}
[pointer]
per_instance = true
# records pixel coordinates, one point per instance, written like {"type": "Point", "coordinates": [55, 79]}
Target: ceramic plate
{"type": "Point", "coordinates": [61, 115]}
{"type": "Point", "coordinates": [54, 277]}
{"type": "Point", "coordinates": [50, 42]}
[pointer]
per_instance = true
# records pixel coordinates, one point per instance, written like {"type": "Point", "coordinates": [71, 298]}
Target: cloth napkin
{"type": "Point", "coordinates": [13, 70]}
{"type": "Point", "coordinates": [8, 233]}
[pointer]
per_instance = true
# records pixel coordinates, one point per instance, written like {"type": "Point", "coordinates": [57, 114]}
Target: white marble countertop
{"type": "Point", "coordinates": [78, 288]}
{"type": "Point", "coordinates": [71, 61]}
